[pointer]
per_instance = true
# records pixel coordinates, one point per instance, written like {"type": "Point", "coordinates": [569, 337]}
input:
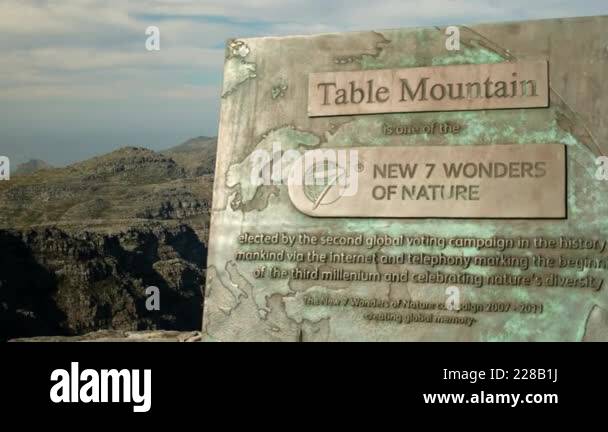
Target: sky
{"type": "Point", "coordinates": [76, 79]}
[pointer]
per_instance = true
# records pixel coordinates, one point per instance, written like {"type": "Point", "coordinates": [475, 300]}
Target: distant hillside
{"type": "Point", "coordinates": [197, 155]}
{"type": "Point", "coordinates": [81, 243]}
{"type": "Point", "coordinates": [32, 166]}
{"type": "Point", "coordinates": [127, 184]}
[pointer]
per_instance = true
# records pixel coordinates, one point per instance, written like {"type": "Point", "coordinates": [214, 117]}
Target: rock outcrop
{"type": "Point", "coordinates": [121, 336]}
{"type": "Point", "coordinates": [80, 244]}
{"type": "Point", "coordinates": [59, 282]}
{"type": "Point", "coordinates": [32, 166]}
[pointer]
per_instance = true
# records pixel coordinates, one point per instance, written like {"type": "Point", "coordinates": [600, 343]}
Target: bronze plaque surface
{"type": "Point", "coordinates": [500, 181]}
{"type": "Point", "coordinates": [299, 252]}
{"type": "Point", "coordinates": [440, 88]}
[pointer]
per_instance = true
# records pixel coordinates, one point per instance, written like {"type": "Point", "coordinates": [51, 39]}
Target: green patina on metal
{"type": "Point", "coordinates": [523, 127]}
{"type": "Point", "coordinates": [479, 128]}
{"type": "Point", "coordinates": [565, 310]}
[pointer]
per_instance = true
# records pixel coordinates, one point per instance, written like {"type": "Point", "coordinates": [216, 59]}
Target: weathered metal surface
{"type": "Point", "coordinates": [265, 105]}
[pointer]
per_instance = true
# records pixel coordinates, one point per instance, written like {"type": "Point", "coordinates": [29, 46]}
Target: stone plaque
{"type": "Point", "coordinates": [440, 88]}
{"type": "Point", "coordinates": [322, 229]}
{"type": "Point", "coordinates": [499, 181]}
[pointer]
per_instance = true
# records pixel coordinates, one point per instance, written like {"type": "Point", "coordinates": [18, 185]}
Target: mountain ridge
{"type": "Point", "coordinates": [127, 183]}
{"type": "Point", "coordinates": [82, 242]}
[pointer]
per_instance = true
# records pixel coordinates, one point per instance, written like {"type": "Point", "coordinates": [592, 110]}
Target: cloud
{"type": "Point", "coordinates": [85, 54]}
{"type": "Point", "coordinates": [74, 44]}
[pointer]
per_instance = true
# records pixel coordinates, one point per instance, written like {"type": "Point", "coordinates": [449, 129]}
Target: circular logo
{"type": "Point", "coordinates": [326, 183]}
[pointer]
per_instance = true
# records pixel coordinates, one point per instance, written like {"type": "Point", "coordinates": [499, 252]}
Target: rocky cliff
{"type": "Point", "coordinates": [80, 244]}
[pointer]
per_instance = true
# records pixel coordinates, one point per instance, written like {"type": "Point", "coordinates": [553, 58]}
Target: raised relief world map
{"type": "Point", "coordinates": [459, 196]}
